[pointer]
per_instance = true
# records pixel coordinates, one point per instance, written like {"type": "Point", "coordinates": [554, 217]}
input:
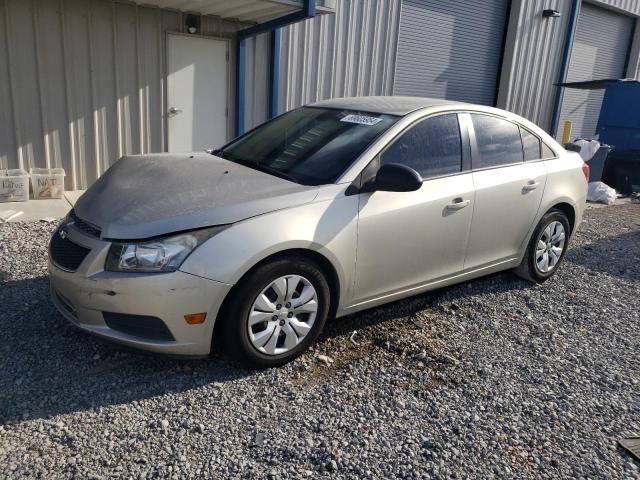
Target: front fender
{"type": "Point", "coordinates": [328, 227]}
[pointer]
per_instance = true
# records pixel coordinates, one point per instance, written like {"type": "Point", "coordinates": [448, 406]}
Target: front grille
{"type": "Point", "coordinates": [86, 227]}
{"type": "Point", "coordinates": [142, 326]}
{"type": "Point", "coordinates": [65, 253]}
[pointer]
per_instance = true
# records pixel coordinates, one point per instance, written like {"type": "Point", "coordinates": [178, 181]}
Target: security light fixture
{"type": "Point", "coordinates": [192, 22]}
{"type": "Point", "coordinates": [549, 13]}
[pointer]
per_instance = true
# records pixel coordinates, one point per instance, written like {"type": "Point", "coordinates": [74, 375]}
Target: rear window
{"type": "Point", "coordinates": [498, 141]}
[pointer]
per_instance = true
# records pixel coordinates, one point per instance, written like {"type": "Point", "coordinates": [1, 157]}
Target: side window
{"type": "Point", "coordinates": [432, 147]}
{"type": "Point", "coordinates": [530, 145]}
{"type": "Point", "coordinates": [547, 152]}
{"type": "Point", "coordinates": [498, 141]}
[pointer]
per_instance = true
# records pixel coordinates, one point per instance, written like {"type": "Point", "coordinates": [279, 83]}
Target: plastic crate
{"type": "Point", "coordinates": [47, 183]}
{"type": "Point", "coordinates": [14, 185]}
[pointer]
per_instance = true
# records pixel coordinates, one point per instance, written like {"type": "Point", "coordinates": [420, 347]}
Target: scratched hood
{"type": "Point", "coordinates": [145, 196]}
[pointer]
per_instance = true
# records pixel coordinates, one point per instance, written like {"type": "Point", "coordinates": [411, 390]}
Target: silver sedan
{"type": "Point", "coordinates": [326, 210]}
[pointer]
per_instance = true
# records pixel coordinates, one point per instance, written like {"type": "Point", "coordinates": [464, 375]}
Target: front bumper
{"type": "Point", "coordinates": [83, 297]}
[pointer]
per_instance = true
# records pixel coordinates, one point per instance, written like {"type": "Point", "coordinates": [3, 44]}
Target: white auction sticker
{"type": "Point", "coordinates": [360, 119]}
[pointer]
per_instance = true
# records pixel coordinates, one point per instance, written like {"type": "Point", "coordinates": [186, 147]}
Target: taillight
{"type": "Point", "coordinates": [585, 170]}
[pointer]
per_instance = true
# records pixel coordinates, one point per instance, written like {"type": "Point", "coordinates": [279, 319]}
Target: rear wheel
{"type": "Point", "coordinates": [546, 248]}
{"type": "Point", "coordinates": [277, 312]}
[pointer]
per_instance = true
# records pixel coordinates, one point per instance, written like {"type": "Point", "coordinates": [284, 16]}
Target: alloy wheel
{"type": "Point", "coordinates": [282, 315]}
{"type": "Point", "coordinates": [550, 246]}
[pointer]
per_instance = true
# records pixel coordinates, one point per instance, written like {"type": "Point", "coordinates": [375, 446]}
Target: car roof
{"type": "Point", "coordinates": [396, 105]}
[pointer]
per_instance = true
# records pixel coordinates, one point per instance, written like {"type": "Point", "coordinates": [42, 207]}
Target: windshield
{"type": "Point", "coordinates": [309, 145]}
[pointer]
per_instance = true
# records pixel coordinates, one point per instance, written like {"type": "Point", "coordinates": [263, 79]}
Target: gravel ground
{"type": "Point", "coordinates": [493, 378]}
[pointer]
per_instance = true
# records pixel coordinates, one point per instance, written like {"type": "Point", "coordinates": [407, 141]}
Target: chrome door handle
{"type": "Point", "coordinates": [174, 111]}
{"type": "Point", "coordinates": [532, 185]}
{"type": "Point", "coordinates": [458, 203]}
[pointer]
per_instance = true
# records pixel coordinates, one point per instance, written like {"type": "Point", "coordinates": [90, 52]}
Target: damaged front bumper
{"type": "Point", "coordinates": [140, 310]}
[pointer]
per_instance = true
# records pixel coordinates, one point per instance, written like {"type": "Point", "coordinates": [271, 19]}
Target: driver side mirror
{"type": "Point", "coordinates": [394, 177]}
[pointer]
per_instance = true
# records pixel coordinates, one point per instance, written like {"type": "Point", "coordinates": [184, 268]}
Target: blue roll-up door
{"type": "Point", "coordinates": [450, 49]}
{"type": "Point", "coordinates": [600, 48]}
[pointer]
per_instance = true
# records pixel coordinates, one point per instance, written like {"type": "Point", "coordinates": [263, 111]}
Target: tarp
{"type": "Point", "coordinates": [596, 84]}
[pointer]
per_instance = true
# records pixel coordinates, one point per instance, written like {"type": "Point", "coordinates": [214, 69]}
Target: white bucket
{"type": "Point", "coordinates": [14, 185]}
{"type": "Point", "coordinates": [47, 183]}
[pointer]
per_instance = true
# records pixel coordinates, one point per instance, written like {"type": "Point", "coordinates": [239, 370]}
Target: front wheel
{"type": "Point", "coordinates": [277, 312]}
{"type": "Point", "coordinates": [546, 248]}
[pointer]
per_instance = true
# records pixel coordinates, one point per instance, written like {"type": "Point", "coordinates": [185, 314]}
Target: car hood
{"type": "Point", "coordinates": [145, 196]}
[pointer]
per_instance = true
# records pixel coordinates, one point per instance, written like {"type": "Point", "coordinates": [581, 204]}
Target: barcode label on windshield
{"type": "Point", "coordinates": [361, 119]}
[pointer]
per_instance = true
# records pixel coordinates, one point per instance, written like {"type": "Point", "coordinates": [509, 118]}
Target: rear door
{"type": "Point", "coordinates": [406, 239]}
{"type": "Point", "coordinates": [508, 189]}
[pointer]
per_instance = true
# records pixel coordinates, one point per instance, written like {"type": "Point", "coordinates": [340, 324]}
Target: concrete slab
{"type": "Point", "coordinates": [73, 196]}
{"type": "Point", "coordinates": [39, 209]}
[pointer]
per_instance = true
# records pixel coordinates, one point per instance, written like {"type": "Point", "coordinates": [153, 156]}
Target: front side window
{"type": "Point", "coordinates": [432, 147]}
{"type": "Point", "coordinates": [498, 141]}
{"type": "Point", "coordinates": [530, 145]}
{"type": "Point", "coordinates": [309, 145]}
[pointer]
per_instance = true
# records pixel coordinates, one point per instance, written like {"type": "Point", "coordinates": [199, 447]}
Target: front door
{"type": "Point", "coordinates": [407, 239]}
{"type": "Point", "coordinates": [197, 92]}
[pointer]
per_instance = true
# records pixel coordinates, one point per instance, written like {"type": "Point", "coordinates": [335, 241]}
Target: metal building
{"type": "Point", "coordinates": [507, 53]}
{"type": "Point", "coordinates": [83, 82]}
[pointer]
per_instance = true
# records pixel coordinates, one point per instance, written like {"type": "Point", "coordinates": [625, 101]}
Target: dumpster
{"type": "Point", "coordinates": [618, 126]}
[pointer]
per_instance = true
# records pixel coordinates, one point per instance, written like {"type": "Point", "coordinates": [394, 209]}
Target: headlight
{"type": "Point", "coordinates": [164, 254]}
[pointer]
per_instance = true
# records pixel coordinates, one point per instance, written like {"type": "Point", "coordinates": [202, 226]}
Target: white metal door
{"type": "Point", "coordinates": [197, 92]}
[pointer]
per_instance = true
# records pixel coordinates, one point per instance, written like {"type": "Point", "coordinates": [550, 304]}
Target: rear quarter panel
{"type": "Point", "coordinates": [566, 183]}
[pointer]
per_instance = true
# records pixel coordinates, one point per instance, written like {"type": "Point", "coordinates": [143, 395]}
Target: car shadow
{"type": "Point", "coordinates": [50, 367]}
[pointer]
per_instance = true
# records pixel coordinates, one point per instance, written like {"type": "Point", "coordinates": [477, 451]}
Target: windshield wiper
{"type": "Point", "coordinates": [256, 166]}
{"type": "Point", "coordinates": [272, 171]}
{"type": "Point", "coordinates": [217, 153]}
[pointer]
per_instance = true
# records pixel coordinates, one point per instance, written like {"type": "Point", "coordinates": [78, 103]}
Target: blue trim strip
{"type": "Point", "coordinates": [275, 72]}
{"type": "Point", "coordinates": [308, 11]}
{"type": "Point", "coordinates": [564, 66]}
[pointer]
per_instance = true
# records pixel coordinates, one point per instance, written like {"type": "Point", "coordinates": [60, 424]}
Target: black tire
{"type": "Point", "coordinates": [528, 268]}
{"type": "Point", "coordinates": [235, 328]}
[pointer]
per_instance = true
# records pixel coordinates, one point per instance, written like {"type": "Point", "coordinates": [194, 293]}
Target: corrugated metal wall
{"type": "Point", "coordinates": [534, 54]}
{"type": "Point", "coordinates": [82, 82]}
{"type": "Point", "coordinates": [257, 80]}
{"type": "Point", "coordinates": [349, 53]}
{"type": "Point", "coordinates": [532, 59]}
